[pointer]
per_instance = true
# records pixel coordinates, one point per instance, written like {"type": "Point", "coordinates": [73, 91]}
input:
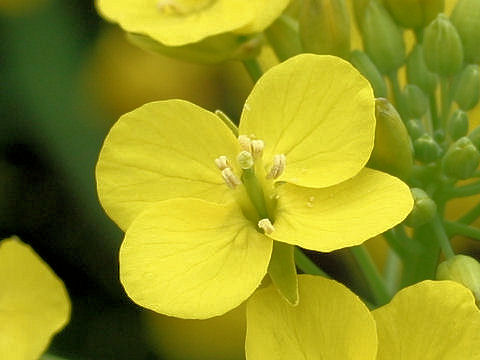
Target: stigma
{"type": "Point", "coordinates": [266, 225]}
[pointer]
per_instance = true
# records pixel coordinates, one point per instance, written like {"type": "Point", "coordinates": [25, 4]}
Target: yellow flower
{"type": "Point", "coordinates": [201, 208]}
{"type": "Point", "coordinates": [431, 320]}
{"type": "Point", "coordinates": [34, 304]}
{"type": "Point", "coordinates": [180, 22]}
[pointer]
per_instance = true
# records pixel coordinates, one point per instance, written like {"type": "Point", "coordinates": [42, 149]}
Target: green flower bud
{"type": "Point", "coordinates": [359, 7]}
{"type": "Point", "coordinates": [466, 18]}
{"type": "Point", "coordinates": [426, 149]}
{"type": "Point", "coordinates": [424, 209]}
{"type": "Point", "coordinates": [284, 37]}
{"type": "Point", "coordinates": [439, 135]}
{"type": "Point", "coordinates": [461, 159]}
{"type": "Point", "coordinates": [467, 88]}
{"type": "Point", "coordinates": [325, 27]}
{"type": "Point", "coordinates": [382, 38]}
{"type": "Point", "coordinates": [458, 124]}
{"type": "Point", "coordinates": [415, 128]}
{"type": "Point", "coordinates": [212, 50]}
{"type": "Point", "coordinates": [464, 270]}
{"type": "Point", "coordinates": [416, 101]}
{"type": "Point", "coordinates": [368, 69]}
{"type": "Point", "coordinates": [392, 151]}
{"type": "Point", "coordinates": [474, 136]}
{"type": "Point", "coordinates": [442, 47]}
{"type": "Point", "coordinates": [418, 73]}
{"type": "Point", "coordinates": [414, 13]}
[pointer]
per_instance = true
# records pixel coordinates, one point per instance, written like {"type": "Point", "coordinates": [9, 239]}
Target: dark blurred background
{"type": "Point", "coordinates": [65, 78]}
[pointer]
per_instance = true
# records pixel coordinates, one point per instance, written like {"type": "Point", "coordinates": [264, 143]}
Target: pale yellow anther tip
{"type": "Point", "coordinates": [266, 225]}
{"type": "Point", "coordinates": [245, 143]}
{"type": "Point", "coordinates": [222, 162]}
{"type": "Point", "coordinates": [278, 166]}
{"type": "Point", "coordinates": [257, 148]}
{"type": "Point", "coordinates": [230, 178]}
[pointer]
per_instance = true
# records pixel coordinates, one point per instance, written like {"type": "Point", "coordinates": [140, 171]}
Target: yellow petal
{"type": "Point", "coordinates": [266, 11]}
{"type": "Point", "coordinates": [160, 151]}
{"type": "Point", "coordinates": [318, 111]}
{"type": "Point", "coordinates": [329, 323]}
{"type": "Point", "coordinates": [192, 259]}
{"type": "Point", "coordinates": [34, 303]}
{"type": "Point", "coordinates": [343, 215]}
{"type": "Point", "coordinates": [430, 320]}
{"type": "Point", "coordinates": [145, 17]}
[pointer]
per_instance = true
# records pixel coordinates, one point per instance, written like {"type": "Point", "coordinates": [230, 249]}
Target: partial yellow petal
{"type": "Point", "coordinates": [343, 215]}
{"type": "Point", "coordinates": [266, 11]}
{"type": "Point", "coordinates": [192, 259]}
{"type": "Point", "coordinates": [431, 320]}
{"type": "Point", "coordinates": [34, 303]}
{"type": "Point", "coordinates": [329, 323]}
{"type": "Point", "coordinates": [318, 111]}
{"type": "Point", "coordinates": [160, 151]}
{"type": "Point", "coordinates": [283, 272]}
{"type": "Point", "coordinates": [146, 17]}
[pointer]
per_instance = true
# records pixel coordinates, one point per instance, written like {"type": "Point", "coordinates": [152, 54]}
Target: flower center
{"type": "Point", "coordinates": [256, 182]}
{"type": "Point", "coordinates": [183, 7]}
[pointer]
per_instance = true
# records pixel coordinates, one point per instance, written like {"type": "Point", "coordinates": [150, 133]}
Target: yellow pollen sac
{"type": "Point", "coordinates": [257, 148]}
{"type": "Point", "coordinates": [222, 162]}
{"type": "Point", "coordinates": [278, 167]}
{"type": "Point", "coordinates": [245, 143]}
{"type": "Point", "coordinates": [230, 178]}
{"type": "Point", "coordinates": [266, 226]}
{"type": "Point", "coordinates": [182, 7]}
{"type": "Point", "coordinates": [245, 160]}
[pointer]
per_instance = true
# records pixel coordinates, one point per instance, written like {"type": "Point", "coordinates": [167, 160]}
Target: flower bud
{"type": "Point", "coordinates": [461, 159]}
{"type": "Point", "coordinates": [325, 27]}
{"type": "Point", "coordinates": [359, 7]}
{"type": "Point", "coordinates": [415, 128]}
{"type": "Point", "coordinates": [458, 124]}
{"type": "Point", "coordinates": [466, 18]}
{"type": "Point", "coordinates": [414, 13]}
{"type": "Point", "coordinates": [418, 73]}
{"type": "Point", "coordinates": [212, 50]}
{"type": "Point", "coordinates": [442, 47]}
{"type": "Point", "coordinates": [284, 37]}
{"type": "Point", "coordinates": [464, 270]}
{"type": "Point", "coordinates": [416, 101]}
{"type": "Point", "coordinates": [424, 209]}
{"type": "Point", "coordinates": [392, 151]}
{"type": "Point", "coordinates": [474, 137]}
{"type": "Point", "coordinates": [426, 149]}
{"type": "Point", "coordinates": [368, 69]}
{"type": "Point", "coordinates": [382, 38]}
{"type": "Point", "coordinates": [467, 88]}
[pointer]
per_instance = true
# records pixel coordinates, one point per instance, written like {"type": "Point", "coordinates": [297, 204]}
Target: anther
{"type": "Point", "coordinates": [266, 226]}
{"type": "Point", "coordinates": [222, 162]}
{"type": "Point", "coordinates": [257, 148]}
{"type": "Point", "coordinates": [245, 143]}
{"type": "Point", "coordinates": [230, 178]}
{"type": "Point", "coordinates": [245, 160]}
{"type": "Point", "coordinates": [278, 166]}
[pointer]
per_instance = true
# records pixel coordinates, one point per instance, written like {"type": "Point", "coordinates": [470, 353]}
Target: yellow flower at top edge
{"type": "Point", "coordinates": [34, 303]}
{"type": "Point", "coordinates": [181, 22]}
{"type": "Point", "coordinates": [202, 207]}
{"type": "Point", "coordinates": [431, 320]}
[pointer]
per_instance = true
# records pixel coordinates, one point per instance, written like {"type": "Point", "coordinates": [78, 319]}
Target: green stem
{"type": "Point", "coordinates": [433, 113]}
{"type": "Point", "coordinates": [455, 228]}
{"type": "Point", "coordinates": [464, 191]}
{"type": "Point", "coordinates": [397, 94]}
{"type": "Point", "coordinates": [442, 238]}
{"type": "Point", "coordinates": [253, 68]}
{"type": "Point", "coordinates": [306, 265]}
{"type": "Point", "coordinates": [470, 216]}
{"type": "Point", "coordinates": [392, 271]}
{"type": "Point", "coordinates": [372, 275]}
{"type": "Point", "coordinates": [446, 101]}
{"type": "Point", "coordinates": [395, 243]}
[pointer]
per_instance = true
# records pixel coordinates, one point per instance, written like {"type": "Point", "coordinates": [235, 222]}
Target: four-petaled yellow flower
{"type": "Point", "coordinates": [202, 208]}
{"type": "Point", "coordinates": [181, 22]}
{"type": "Point", "coordinates": [34, 303]}
{"type": "Point", "coordinates": [431, 320]}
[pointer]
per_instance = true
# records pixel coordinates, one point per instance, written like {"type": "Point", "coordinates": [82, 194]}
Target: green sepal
{"type": "Point", "coordinates": [458, 124]}
{"type": "Point", "coordinates": [367, 68]}
{"type": "Point", "coordinates": [415, 128]}
{"type": "Point", "coordinates": [392, 151]}
{"type": "Point", "coordinates": [418, 72]}
{"type": "Point", "coordinates": [461, 159]}
{"type": "Point", "coordinates": [415, 100]}
{"type": "Point", "coordinates": [424, 209]}
{"type": "Point", "coordinates": [414, 13]}
{"type": "Point", "coordinates": [427, 149]}
{"type": "Point", "coordinates": [284, 38]}
{"type": "Point", "coordinates": [474, 136]}
{"type": "Point", "coordinates": [466, 18]}
{"type": "Point", "coordinates": [467, 87]}
{"type": "Point", "coordinates": [283, 272]}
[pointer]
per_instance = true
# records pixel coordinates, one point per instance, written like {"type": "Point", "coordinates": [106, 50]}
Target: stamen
{"type": "Point", "coordinates": [230, 178]}
{"type": "Point", "coordinates": [245, 143]}
{"type": "Point", "coordinates": [245, 160]}
{"type": "Point", "coordinates": [257, 148]}
{"type": "Point", "coordinates": [266, 226]}
{"type": "Point", "coordinates": [278, 167]}
{"type": "Point", "coordinates": [222, 162]}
